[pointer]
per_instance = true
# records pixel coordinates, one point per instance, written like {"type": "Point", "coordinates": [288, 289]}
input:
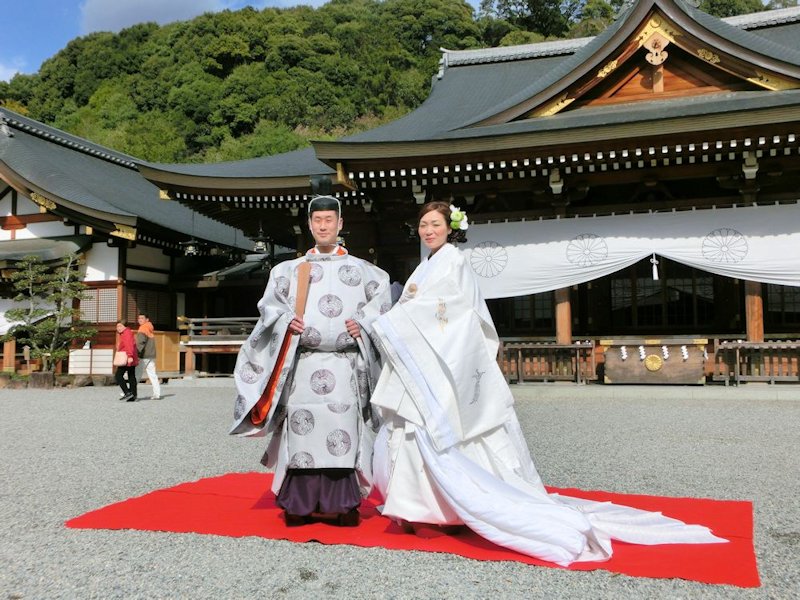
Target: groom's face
{"type": "Point", "coordinates": [325, 226]}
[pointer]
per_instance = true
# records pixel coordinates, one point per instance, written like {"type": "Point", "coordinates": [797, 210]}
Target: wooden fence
{"type": "Point", "coordinates": [771, 361]}
{"type": "Point", "coordinates": [524, 360]}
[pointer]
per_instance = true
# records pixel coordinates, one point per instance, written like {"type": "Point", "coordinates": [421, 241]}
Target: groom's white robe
{"type": "Point", "coordinates": [451, 449]}
{"type": "Point", "coordinates": [324, 377]}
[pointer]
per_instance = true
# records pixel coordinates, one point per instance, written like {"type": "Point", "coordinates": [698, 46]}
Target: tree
{"type": "Point", "coordinates": [47, 321]}
{"type": "Point", "coordinates": [547, 17]}
{"type": "Point", "coordinates": [730, 8]}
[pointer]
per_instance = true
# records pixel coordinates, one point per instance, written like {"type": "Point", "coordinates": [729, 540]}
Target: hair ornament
{"type": "Point", "coordinates": [458, 219]}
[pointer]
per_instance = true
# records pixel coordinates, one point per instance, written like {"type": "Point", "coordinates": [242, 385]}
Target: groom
{"type": "Point", "coordinates": [306, 372]}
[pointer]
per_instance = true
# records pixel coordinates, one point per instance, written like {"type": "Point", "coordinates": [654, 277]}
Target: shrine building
{"type": "Point", "coordinates": [632, 197]}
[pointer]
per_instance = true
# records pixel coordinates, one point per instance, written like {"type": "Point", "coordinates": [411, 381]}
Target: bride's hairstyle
{"type": "Point", "coordinates": [443, 208]}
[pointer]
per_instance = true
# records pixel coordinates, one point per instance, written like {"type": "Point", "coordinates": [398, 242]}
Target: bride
{"type": "Point", "coordinates": [450, 450]}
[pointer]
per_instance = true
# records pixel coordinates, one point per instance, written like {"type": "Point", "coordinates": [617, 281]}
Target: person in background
{"type": "Point", "coordinates": [146, 346]}
{"type": "Point", "coordinates": [126, 376]}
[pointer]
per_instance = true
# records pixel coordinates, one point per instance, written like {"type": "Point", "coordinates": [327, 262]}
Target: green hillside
{"type": "Point", "coordinates": [234, 85]}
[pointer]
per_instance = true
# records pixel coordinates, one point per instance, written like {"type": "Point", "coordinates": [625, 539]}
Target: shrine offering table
{"type": "Point", "coordinates": [657, 361]}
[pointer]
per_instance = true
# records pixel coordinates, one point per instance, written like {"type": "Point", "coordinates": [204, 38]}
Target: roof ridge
{"type": "Point", "coordinates": [51, 134]}
{"type": "Point", "coordinates": [570, 46]}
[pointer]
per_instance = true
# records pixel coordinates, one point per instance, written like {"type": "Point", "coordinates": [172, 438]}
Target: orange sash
{"type": "Point", "coordinates": [260, 411]}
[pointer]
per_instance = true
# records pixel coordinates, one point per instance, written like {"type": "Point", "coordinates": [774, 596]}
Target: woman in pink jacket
{"type": "Point", "coordinates": [127, 344]}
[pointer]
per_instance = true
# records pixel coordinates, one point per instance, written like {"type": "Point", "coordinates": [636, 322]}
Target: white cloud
{"type": "Point", "coordinates": [7, 71]}
{"type": "Point", "coordinates": [113, 15]}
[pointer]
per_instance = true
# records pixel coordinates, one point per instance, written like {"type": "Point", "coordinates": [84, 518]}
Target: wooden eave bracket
{"type": "Point", "coordinates": [126, 232]}
{"type": "Point", "coordinates": [343, 179]}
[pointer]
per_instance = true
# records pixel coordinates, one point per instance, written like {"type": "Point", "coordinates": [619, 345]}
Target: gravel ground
{"type": "Point", "coordinates": [65, 452]}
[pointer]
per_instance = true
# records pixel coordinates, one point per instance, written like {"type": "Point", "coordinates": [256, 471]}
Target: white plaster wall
{"type": "Point", "coordinates": [147, 256]}
{"type": "Point", "coordinates": [6, 304]}
{"type": "Point", "coordinates": [25, 206]}
{"type": "Point", "coordinates": [42, 230]}
{"type": "Point", "coordinates": [5, 204]}
{"type": "Point", "coordinates": [101, 263]}
{"type": "Point", "coordinates": [134, 274]}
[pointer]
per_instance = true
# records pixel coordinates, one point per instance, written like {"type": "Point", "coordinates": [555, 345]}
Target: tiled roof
{"type": "Point", "coordinates": [452, 58]}
{"type": "Point", "coordinates": [95, 180]}
{"type": "Point", "coordinates": [476, 85]}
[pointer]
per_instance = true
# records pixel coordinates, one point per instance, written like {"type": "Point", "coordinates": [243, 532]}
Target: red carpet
{"type": "Point", "coordinates": [240, 504]}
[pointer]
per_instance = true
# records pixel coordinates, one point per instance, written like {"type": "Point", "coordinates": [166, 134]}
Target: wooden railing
{"type": "Point", "coordinates": [208, 336]}
{"type": "Point", "coordinates": [216, 329]}
{"type": "Point", "coordinates": [757, 361]}
{"type": "Point", "coordinates": [524, 360]}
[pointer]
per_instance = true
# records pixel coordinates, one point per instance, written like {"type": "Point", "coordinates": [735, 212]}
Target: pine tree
{"type": "Point", "coordinates": [47, 320]}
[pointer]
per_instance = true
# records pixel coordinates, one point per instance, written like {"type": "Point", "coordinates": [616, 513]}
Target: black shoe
{"type": "Point", "coordinates": [294, 520]}
{"type": "Point", "coordinates": [129, 398]}
{"type": "Point", "coordinates": [349, 519]}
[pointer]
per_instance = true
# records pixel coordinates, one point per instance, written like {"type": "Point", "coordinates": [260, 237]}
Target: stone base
{"type": "Point", "coordinates": [42, 380]}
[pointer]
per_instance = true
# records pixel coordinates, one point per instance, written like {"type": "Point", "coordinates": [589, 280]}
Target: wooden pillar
{"type": "Point", "coordinates": [9, 356]}
{"type": "Point", "coordinates": [754, 311]}
{"type": "Point", "coordinates": [188, 365]}
{"type": "Point", "coordinates": [563, 317]}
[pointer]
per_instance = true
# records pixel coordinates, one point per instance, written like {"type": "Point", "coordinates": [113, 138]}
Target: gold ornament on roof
{"type": "Point", "coordinates": [553, 106]}
{"type": "Point", "coordinates": [42, 201]}
{"type": "Point", "coordinates": [126, 232]}
{"type": "Point", "coordinates": [772, 82]}
{"type": "Point", "coordinates": [607, 69]}
{"type": "Point", "coordinates": [658, 25]}
{"type": "Point", "coordinates": [656, 44]}
{"type": "Point", "coordinates": [708, 56]}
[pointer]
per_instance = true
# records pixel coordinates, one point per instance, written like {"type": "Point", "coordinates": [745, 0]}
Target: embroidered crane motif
{"type": "Point", "coordinates": [477, 391]}
{"type": "Point", "coordinates": [441, 313]}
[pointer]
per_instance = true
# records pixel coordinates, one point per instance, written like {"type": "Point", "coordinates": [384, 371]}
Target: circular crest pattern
{"type": "Point", "coordinates": [349, 275]}
{"type": "Point", "coordinates": [273, 342]}
{"type": "Point", "coordinates": [586, 250]}
{"type": "Point", "coordinates": [256, 334]}
{"type": "Point", "coordinates": [238, 407]}
{"type": "Point", "coordinates": [282, 288]}
{"type": "Point", "coordinates": [302, 421]}
{"type": "Point", "coordinates": [339, 442]}
{"type": "Point", "coordinates": [339, 407]}
{"type": "Point", "coordinates": [488, 259]}
{"type": "Point", "coordinates": [344, 341]}
{"type": "Point", "coordinates": [330, 305]}
{"type": "Point", "coordinates": [280, 413]}
{"type": "Point", "coordinates": [323, 382]}
{"type": "Point", "coordinates": [283, 377]}
{"type": "Point", "coordinates": [725, 245]}
{"type": "Point", "coordinates": [310, 338]}
{"type": "Point", "coordinates": [371, 289]}
{"type": "Point", "coordinates": [360, 383]}
{"type": "Point", "coordinates": [317, 272]}
{"type": "Point", "coordinates": [385, 307]}
{"type": "Point", "coordinates": [249, 372]}
{"type": "Point", "coordinates": [301, 460]}
{"type": "Point", "coordinates": [360, 309]}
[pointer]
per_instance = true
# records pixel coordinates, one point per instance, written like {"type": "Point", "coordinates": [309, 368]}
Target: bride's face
{"type": "Point", "coordinates": [433, 230]}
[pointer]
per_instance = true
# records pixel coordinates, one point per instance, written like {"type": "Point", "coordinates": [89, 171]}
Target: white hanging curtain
{"type": "Point", "coordinates": [757, 243]}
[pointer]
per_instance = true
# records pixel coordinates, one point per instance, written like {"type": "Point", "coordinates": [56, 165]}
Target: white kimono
{"type": "Point", "coordinates": [320, 413]}
{"type": "Point", "coordinates": [451, 449]}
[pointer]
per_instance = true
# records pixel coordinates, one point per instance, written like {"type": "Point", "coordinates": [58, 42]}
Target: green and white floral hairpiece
{"type": "Point", "coordinates": [458, 219]}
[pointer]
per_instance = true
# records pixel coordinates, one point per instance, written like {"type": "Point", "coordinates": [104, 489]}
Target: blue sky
{"type": "Point", "coordinates": [34, 30]}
